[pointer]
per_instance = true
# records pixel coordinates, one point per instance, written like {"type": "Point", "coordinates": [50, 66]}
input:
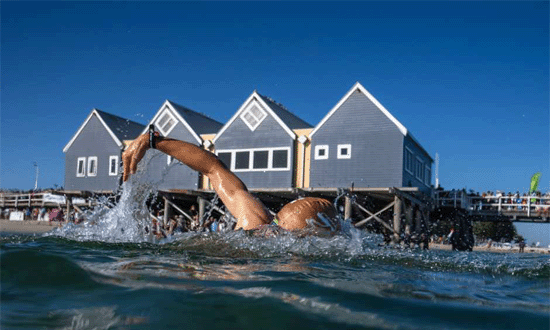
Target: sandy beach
{"type": "Point", "coordinates": [484, 248]}
{"type": "Point", "coordinates": [26, 227]}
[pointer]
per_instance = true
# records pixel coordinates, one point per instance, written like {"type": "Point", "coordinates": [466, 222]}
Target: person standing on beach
{"type": "Point", "coordinates": [521, 246]}
{"type": "Point", "coordinates": [250, 212]}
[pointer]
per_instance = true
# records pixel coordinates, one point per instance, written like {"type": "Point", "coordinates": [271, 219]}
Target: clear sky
{"type": "Point", "coordinates": [469, 79]}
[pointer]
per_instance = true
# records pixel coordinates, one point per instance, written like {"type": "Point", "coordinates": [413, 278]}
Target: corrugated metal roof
{"type": "Point", "coordinates": [123, 128]}
{"type": "Point", "coordinates": [201, 123]}
{"type": "Point", "coordinates": [290, 119]}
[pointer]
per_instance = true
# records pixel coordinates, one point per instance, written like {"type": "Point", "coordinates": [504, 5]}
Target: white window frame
{"type": "Point", "coordinates": [269, 160]}
{"type": "Point", "coordinates": [409, 158]}
{"type": "Point", "coordinates": [88, 172]}
{"type": "Point", "coordinates": [111, 172]}
{"type": "Point", "coordinates": [344, 146]}
{"type": "Point", "coordinates": [83, 160]}
{"type": "Point", "coordinates": [251, 168]}
{"type": "Point", "coordinates": [427, 177]}
{"type": "Point", "coordinates": [321, 147]}
{"type": "Point", "coordinates": [162, 129]}
{"type": "Point", "coordinates": [419, 169]}
{"type": "Point", "coordinates": [248, 110]}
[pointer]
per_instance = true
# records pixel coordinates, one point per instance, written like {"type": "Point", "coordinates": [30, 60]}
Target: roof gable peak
{"type": "Point", "coordinates": [95, 112]}
{"type": "Point", "coordinates": [261, 101]}
{"type": "Point", "coordinates": [358, 87]}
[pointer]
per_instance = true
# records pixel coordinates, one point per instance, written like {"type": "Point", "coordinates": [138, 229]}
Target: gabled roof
{"type": "Point", "coordinates": [201, 123]}
{"type": "Point", "coordinates": [362, 89]}
{"type": "Point", "coordinates": [197, 123]}
{"type": "Point", "coordinates": [287, 120]}
{"type": "Point", "coordinates": [119, 128]}
{"type": "Point", "coordinates": [290, 119]}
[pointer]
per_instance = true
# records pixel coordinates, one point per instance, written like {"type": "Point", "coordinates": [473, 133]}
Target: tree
{"type": "Point", "coordinates": [497, 231]}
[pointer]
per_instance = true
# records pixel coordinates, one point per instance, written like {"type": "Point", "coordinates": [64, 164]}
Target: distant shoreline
{"type": "Point", "coordinates": [39, 227]}
{"type": "Point", "coordinates": [484, 248]}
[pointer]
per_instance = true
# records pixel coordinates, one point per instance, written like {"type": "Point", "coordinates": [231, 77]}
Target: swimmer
{"type": "Point", "coordinates": [250, 212]}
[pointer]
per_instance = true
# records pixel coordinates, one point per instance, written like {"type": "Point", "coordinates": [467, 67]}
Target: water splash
{"type": "Point", "coordinates": [124, 221]}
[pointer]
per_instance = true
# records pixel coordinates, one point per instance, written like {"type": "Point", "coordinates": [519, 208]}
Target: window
{"type": "Point", "coordinates": [255, 160]}
{"type": "Point", "coordinates": [280, 159]}
{"type": "Point", "coordinates": [321, 152]}
{"type": "Point", "coordinates": [428, 177]}
{"type": "Point", "coordinates": [253, 116]}
{"type": "Point", "coordinates": [225, 158]}
{"type": "Point", "coordinates": [242, 160]}
{"type": "Point", "coordinates": [81, 167]}
{"type": "Point", "coordinates": [113, 165]}
{"type": "Point", "coordinates": [344, 151]}
{"type": "Point", "coordinates": [409, 161]}
{"type": "Point", "coordinates": [261, 159]}
{"type": "Point", "coordinates": [166, 122]}
{"type": "Point", "coordinates": [419, 169]}
{"type": "Point", "coordinates": [92, 166]}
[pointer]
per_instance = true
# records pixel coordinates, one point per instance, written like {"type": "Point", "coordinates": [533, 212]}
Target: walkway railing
{"type": "Point", "coordinates": [21, 200]}
{"type": "Point", "coordinates": [47, 199]}
{"type": "Point", "coordinates": [530, 206]}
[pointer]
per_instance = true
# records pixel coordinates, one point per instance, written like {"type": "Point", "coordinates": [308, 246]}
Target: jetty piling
{"type": "Point", "coordinates": [403, 214]}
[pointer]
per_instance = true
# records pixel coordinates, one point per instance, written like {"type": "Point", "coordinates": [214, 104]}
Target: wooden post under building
{"type": "Point", "coordinates": [202, 209]}
{"type": "Point", "coordinates": [397, 210]}
{"type": "Point", "coordinates": [347, 208]}
{"type": "Point", "coordinates": [167, 211]}
{"type": "Point", "coordinates": [68, 203]}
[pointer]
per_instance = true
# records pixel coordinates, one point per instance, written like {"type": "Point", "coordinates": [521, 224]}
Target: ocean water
{"type": "Point", "coordinates": [237, 281]}
{"type": "Point", "coordinates": [109, 274]}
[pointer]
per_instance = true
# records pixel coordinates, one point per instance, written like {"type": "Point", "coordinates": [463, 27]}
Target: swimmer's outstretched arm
{"type": "Point", "coordinates": [248, 210]}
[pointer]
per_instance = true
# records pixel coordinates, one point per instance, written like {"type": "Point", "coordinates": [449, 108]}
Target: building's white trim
{"type": "Point", "coordinates": [251, 159]}
{"type": "Point", "coordinates": [89, 169]}
{"type": "Point", "coordinates": [344, 146]}
{"type": "Point", "coordinates": [248, 110]}
{"type": "Point", "coordinates": [264, 106]}
{"type": "Point", "coordinates": [419, 169]}
{"type": "Point", "coordinates": [111, 172]}
{"type": "Point", "coordinates": [360, 87]}
{"type": "Point", "coordinates": [166, 112]}
{"type": "Point", "coordinates": [83, 160]}
{"type": "Point", "coordinates": [169, 105]}
{"type": "Point", "coordinates": [94, 112]}
{"type": "Point", "coordinates": [321, 147]}
{"type": "Point", "coordinates": [427, 177]}
{"type": "Point", "coordinates": [411, 157]}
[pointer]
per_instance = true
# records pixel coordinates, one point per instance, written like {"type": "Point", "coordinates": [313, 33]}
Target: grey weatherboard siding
{"type": "Point", "coordinates": [377, 148]}
{"type": "Point", "coordinates": [269, 134]}
{"type": "Point", "coordinates": [93, 140]}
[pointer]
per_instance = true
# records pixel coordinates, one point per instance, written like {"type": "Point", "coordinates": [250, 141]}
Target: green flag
{"type": "Point", "coordinates": [535, 182]}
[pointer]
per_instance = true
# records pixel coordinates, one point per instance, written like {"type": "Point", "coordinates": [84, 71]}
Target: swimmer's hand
{"type": "Point", "coordinates": [133, 154]}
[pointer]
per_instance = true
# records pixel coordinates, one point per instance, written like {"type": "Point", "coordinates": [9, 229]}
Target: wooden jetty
{"type": "Point", "coordinates": [495, 208]}
{"type": "Point", "coordinates": [398, 212]}
{"type": "Point", "coordinates": [402, 214]}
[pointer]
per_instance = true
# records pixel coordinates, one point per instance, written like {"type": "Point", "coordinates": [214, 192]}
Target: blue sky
{"type": "Point", "coordinates": [470, 79]}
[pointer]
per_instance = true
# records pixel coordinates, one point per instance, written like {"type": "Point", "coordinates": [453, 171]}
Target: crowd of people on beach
{"type": "Point", "coordinates": [159, 226]}
{"type": "Point", "coordinates": [52, 215]}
